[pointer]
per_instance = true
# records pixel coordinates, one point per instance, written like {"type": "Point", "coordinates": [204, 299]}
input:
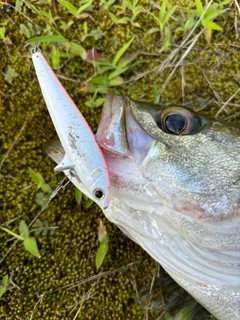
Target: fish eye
{"type": "Point", "coordinates": [178, 121]}
{"type": "Point", "coordinates": [98, 193]}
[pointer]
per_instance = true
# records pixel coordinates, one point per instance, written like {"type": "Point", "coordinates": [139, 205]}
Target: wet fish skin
{"type": "Point", "coordinates": [178, 197]}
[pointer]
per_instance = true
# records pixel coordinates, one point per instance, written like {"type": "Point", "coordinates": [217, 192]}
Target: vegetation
{"type": "Point", "coordinates": [176, 52]}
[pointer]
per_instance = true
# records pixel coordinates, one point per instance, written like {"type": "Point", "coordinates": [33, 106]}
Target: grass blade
{"type": "Point", "coordinates": [101, 252]}
{"type": "Point", "coordinates": [120, 52]}
{"type": "Point", "coordinates": [78, 195]}
{"type": "Point", "coordinates": [168, 14]}
{"type": "Point", "coordinates": [13, 234]}
{"type": "Point", "coordinates": [68, 6]}
{"type": "Point", "coordinates": [47, 38]}
{"type": "Point", "coordinates": [199, 7]}
{"type": "Point", "coordinates": [83, 7]}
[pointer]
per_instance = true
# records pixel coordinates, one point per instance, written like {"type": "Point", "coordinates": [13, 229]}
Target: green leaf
{"type": "Point", "coordinates": [10, 75]}
{"type": "Point", "coordinates": [77, 49]}
{"type": "Point", "coordinates": [17, 236]}
{"type": "Point", "coordinates": [85, 197]}
{"type": "Point", "coordinates": [101, 80]}
{"type": "Point", "coordinates": [37, 231]}
{"type": "Point", "coordinates": [2, 291]}
{"type": "Point", "coordinates": [51, 231]}
{"type": "Point", "coordinates": [23, 229]}
{"type": "Point", "coordinates": [46, 188]}
{"type": "Point", "coordinates": [117, 20]}
{"type": "Point", "coordinates": [31, 245]}
{"type": "Point", "coordinates": [223, 3]}
{"type": "Point", "coordinates": [68, 6]}
{"type": "Point", "coordinates": [2, 33]}
{"type": "Point", "coordinates": [38, 225]}
{"type": "Point", "coordinates": [78, 195]}
{"type": "Point", "coordinates": [105, 5]}
{"type": "Point", "coordinates": [167, 316]}
{"type": "Point", "coordinates": [5, 280]}
{"type": "Point", "coordinates": [36, 177]}
{"type": "Point", "coordinates": [84, 7]}
{"type": "Point", "coordinates": [211, 25]}
{"type": "Point", "coordinates": [162, 10]}
{"type": "Point", "coordinates": [44, 232]}
{"type": "Point", "coordinates": [45, 224]}
{"type": "Point", "coordinates": [186, 313]}
{"type": "Point", "coordinates": [89, 104]}
{"type": "Point", "coordinates": [199, 7]}
{"type": "Point", "coordinates": [130, 5]}
{"type": "Point", "coordinates": [88, 203]}
{"type": "Point", "coordinates": [189, 23]}
{"type": "Point", "coordinates": [101, 69]}
{"type": "Point", "coordinates": [116, 82]}
{"type": "Point", "coordinates": [101, 252]}
{"type": "Point", "coordinates": [122, 51]}
{"type": "Point", "coordinates": [124, 20]}
{"type": "Point", "coordinates": [212, 13]}
{"type": "Point", "coordinates": [117, 72]}
{"type": "Point", "coordinates": [152, 30]}
{"type": "Point", "coordinates": [98, 102]}
{"type": "Point", "coordinates": [55, 57]}
{"type": "Point", "coordinates": [47, 38]}
{"type": "Point", "coordinates": [113, 17]}
{"type": "Point", "coordinates": [168, 14]}
{"type": "Point", "coordinates": [167, 39]}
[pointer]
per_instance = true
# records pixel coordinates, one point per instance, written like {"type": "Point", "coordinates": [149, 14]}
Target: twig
{"type": "Point", "coordinates": [98, 276]}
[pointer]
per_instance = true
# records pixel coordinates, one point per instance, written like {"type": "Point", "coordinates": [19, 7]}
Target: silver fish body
{"type": "Point", "coordinates": [178, 195]}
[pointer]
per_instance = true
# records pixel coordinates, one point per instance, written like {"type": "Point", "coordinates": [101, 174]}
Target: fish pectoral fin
{"type": "Point", "coordinates": [65, 164]}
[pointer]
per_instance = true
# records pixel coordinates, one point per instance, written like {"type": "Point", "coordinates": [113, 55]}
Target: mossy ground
{"type": "Point", "coordinates": [206, 79]}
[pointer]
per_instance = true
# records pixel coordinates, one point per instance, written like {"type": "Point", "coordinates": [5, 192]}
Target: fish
{"type": "Point", "coordinates": [175, 180]}
{"type": "Point", "coordinates": [83, 161]}
{"type": "Point", "coordinates": [175, 191]}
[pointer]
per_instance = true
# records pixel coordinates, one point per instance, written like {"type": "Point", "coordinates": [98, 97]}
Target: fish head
{"type": "Point", "coordinates": [191, 162]}
{"type": "Point", "coordinates": [175, 190]}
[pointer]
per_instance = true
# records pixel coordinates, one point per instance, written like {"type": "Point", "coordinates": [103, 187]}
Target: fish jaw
{"type": "Point", "coordinates": [83, 157]}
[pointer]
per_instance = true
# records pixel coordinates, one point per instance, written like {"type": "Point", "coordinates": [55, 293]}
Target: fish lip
{"type": "Point", "coordinates": [119, 133]}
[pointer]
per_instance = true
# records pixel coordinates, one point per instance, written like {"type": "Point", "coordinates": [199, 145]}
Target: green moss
{"type": "Point", "coordinates": [68, 256]}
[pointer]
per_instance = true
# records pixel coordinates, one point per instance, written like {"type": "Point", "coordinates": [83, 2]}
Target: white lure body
{"type": "Point", "coordinates": [83, 157]}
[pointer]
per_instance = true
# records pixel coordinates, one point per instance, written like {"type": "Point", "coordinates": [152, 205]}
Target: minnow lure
{"type": "Point", "coordinates": [83, 159]}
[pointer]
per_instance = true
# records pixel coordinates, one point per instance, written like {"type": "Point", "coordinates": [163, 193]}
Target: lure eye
{"type": "Point", "coordinates": [98, 193]}
{"type": "Point", "coordinates": [178, 121]}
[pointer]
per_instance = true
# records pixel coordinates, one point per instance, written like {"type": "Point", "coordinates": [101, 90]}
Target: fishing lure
{"type": "Point", "coordinates": [83, 160]}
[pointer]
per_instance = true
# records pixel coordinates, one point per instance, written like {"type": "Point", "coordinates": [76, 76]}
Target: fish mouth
{"type": "Point", "coordinates": [119, 135]}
